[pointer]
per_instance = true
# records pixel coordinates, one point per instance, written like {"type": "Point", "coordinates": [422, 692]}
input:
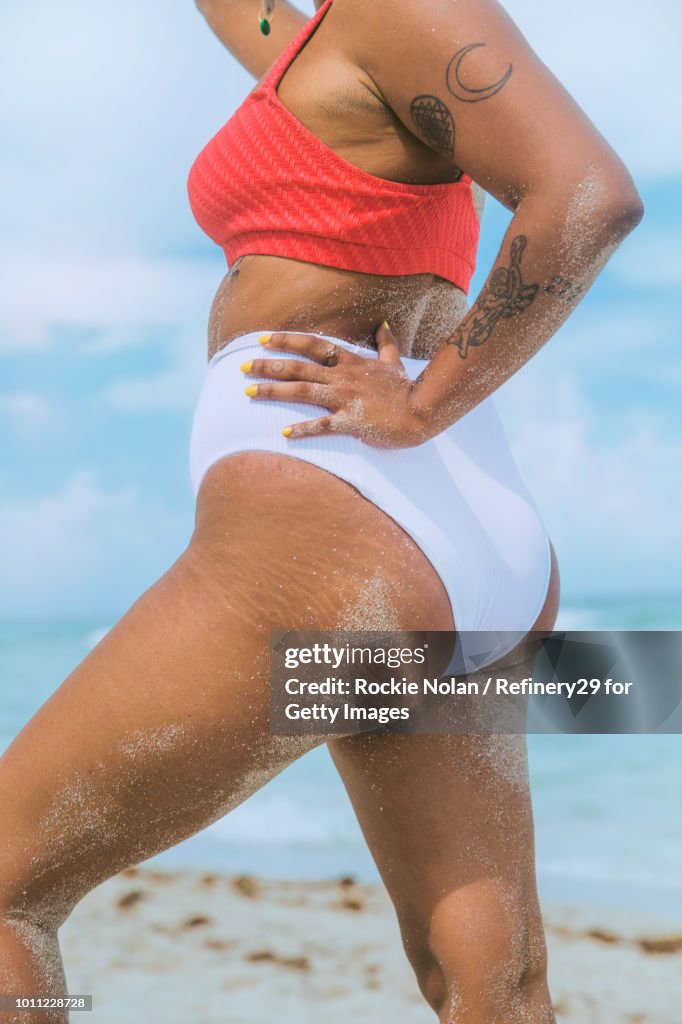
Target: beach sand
{"type": "Point", "coordinates": [226, 949]}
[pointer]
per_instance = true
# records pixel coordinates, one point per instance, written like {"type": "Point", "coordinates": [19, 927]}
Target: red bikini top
{"type": "Point", "coordinates": [265, 184]}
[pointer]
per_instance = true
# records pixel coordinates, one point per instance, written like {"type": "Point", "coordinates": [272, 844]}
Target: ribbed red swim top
{"type": "Point", "coordinates": [265, 184]}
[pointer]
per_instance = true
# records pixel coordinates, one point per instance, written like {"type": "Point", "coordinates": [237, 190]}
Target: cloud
{"type": "Point", "coordinates": [28, 413]}
{"type": "Point", "coordinates": [621, 64]}
{"type": "Point", "coordinates": [64, 549]}
{"type": "Point", "coordinates": [174, 389]}
{"type": "Point", "coordinates": [111, 303]}
{"type": "Point", "coordinates": [610, 505]}
{"type": "Point", "coordinates": [604, 344]}
{"type": "Point", "coordinates": [100, 125]}
{"type": "Point", "coordinates": [655, 261]}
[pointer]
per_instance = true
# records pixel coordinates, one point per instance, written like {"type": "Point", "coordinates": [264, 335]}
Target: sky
{"type": "Point", "coordinates": [106, 282]}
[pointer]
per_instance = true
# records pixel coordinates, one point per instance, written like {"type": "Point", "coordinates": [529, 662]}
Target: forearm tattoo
{"type": "Point", "coordinates": [564, 290]}
{"type": "Point", "coordinates": [466, 93]}
{"type": "Point", "coordinates": [505, 295]}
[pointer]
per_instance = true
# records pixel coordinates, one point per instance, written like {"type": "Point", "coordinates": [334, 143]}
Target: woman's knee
{"type": "Point", "coordinates": [20, 901]}
{"type": "Point", "coordinates": [480, 957]}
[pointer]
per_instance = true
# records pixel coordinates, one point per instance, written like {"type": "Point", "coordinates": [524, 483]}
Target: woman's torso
{"type": "Point", "coordinates": [337, 101]}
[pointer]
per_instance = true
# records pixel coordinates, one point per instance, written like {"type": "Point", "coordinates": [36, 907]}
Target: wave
{"type": "Point", "coordinates": [93, 636]}
{"type": "Point", "coordinates": [609, 874]}
{"type": "Point", "coordinates": [283, 822]}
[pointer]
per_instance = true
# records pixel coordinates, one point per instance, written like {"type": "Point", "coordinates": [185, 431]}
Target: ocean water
{"type": "Point", "coordinates": [608, 809]}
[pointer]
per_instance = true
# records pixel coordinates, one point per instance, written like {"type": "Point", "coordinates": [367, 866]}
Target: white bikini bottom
{"type": "Point", "coordinates": [459, 495]}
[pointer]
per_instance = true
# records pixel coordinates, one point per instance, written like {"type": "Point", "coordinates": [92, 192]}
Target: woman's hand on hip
{"type": "Point", "coordinates": [372, 399]}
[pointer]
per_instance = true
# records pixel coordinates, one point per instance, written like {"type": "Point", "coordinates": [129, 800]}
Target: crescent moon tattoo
{"type": "Point", "coordinates": [464, 92]}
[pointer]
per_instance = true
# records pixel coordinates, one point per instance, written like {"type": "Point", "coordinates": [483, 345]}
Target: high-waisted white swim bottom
{"type": "Point", "coordinates": [459, 495]}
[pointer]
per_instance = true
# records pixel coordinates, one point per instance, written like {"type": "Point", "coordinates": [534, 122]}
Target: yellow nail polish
{"type": "Point", "coordinates": [264, 339]}
{"type": "Point", "coordinates": [251, 390]}
{"type": "Point", "coordinates": [386, 325]}
{"type": "Point", "coordinates": [246, 367]}
{"type": "Point", "coordinates": [287, 431]}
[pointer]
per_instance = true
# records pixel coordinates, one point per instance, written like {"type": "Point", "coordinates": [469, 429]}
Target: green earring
{"type": "Point", "coordinates": [264, 22]}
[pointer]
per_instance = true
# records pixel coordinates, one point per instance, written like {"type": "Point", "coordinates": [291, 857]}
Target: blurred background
{"type": "Point", "coordinates": [105, 286]}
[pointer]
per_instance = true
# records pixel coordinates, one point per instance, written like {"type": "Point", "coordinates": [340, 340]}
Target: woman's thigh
{"type": "Point", "coordinates": [449, 823]}
{"type": "Point", "coordinates": [163, 727]}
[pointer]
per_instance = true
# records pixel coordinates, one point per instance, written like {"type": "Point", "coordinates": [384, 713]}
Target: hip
{"type": "Point", "coordinates": [460, 495]}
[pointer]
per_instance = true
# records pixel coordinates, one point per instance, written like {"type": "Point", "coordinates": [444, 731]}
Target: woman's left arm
{"type": "Point", "coordinates": [461, 77]}
{"type": "Point", "coordinates": [464, 79]}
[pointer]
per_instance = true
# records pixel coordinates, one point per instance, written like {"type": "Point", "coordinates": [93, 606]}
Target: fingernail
{"type": "Point", "coordinates": [386, 325]}
{"type": "Point", "coordinates": [287, 431]}
{"type": "Point", "coordinates": [264, 339]}
{"type": "Point", "coordinates": [246, 367]}
{"type": "Point", "coordinates": [251, 390]}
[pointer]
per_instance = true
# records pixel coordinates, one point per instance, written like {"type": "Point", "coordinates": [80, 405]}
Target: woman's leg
{"type": "Point", "coordinates": [164, 726]}
{"type": "Point", "coordinates": [449, 822]}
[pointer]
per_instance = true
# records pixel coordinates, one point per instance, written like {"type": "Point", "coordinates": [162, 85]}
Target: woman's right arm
{"type": "Point", "coordinates": [235, 22]}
